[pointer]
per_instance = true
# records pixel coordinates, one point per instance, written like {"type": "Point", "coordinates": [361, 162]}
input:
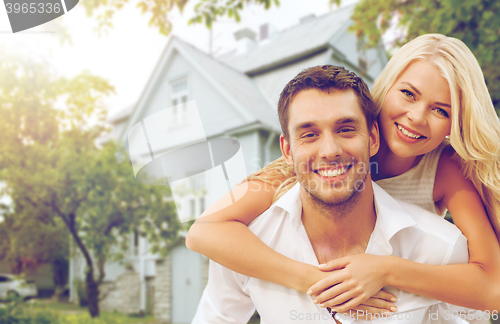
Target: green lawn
{"type": "Point", "coordinates": [75, 310]}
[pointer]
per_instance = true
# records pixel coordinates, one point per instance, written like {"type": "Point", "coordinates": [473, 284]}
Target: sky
{"type": "Point", "coordinates": [127, 54]}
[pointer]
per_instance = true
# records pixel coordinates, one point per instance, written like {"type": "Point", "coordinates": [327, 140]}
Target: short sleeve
{"type": "Point", "coordinates": [223, 299]}
{"type": "Point", "coordinates": [460, 253]}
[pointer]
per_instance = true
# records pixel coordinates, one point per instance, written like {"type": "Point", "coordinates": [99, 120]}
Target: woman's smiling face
{"type": "Point", "coordinates": [416, 114]}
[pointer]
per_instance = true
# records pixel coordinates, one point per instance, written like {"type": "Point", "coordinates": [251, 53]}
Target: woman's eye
{"type": "Point", "coordinates": [408, 93]}
{"type": "Point", "coordinates": [443, 112]}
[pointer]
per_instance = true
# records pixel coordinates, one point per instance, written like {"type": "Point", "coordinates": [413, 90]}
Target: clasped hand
{"type": "Point", "coordinates": [354, 283]}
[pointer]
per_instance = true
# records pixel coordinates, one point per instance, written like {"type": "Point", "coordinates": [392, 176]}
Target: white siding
{"type": "Point", "coordinates": [216, 113]}
{"type": "Point", "coordinates": [160, 98]}
{"type": "Point", "coordinates": [251, 151]}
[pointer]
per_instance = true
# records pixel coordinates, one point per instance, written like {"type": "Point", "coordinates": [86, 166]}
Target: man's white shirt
{"type": "Point", "coordinates": [401, 229]}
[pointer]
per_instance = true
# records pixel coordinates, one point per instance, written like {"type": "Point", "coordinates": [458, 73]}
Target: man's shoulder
{"type": "Point", "coordinates": [413, 217]}
{"type": "Point", "coordinates": [419, 235]}
{"type": "Point", "coordinates": [283, 210]}
{"type": "Point", "coordinates": [285, 205]}
{"type": "Point", "coordinates": [432, 240]}
{"type": "Point", "coordinates": [431, 223]}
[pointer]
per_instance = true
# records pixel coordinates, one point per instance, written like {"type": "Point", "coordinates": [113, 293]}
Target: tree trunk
{"type": "Point", "coordinates": [92, 289]}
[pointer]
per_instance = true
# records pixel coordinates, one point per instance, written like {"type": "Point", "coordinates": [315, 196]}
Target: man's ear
{"type": "Point", "coordinates": [374, 139]}
{"type": "Point", "coordinates": [286, 150]}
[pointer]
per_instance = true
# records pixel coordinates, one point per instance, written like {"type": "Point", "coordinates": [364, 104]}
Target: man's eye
{"type": "Point", "coordinates": [346, 130]}
{"type": "Point", "coordinates": [308, 135]}
{"type": "Point", "coordinates": [408, 93]}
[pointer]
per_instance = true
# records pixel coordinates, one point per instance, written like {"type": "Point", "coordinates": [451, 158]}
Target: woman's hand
{"type": "Point", "coordinates": [353, 280]}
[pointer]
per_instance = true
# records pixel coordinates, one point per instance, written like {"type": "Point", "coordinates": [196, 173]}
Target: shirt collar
{"type": "Point", "coordinates": [391, 217]}
{"type": "Point", "coordinates": [291, 203]}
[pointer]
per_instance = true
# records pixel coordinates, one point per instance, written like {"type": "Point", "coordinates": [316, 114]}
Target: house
{"type": "Point", "coordinates": [236, 96]}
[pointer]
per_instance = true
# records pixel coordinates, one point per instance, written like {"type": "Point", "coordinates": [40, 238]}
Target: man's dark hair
{"type": "Point", "coordinates": [325, 78]}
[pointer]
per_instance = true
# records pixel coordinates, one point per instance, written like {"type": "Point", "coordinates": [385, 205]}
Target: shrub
{"type": "Point", "coordinates": [16, 312]}
{"type": "Point", "coordinates": [86, 319]}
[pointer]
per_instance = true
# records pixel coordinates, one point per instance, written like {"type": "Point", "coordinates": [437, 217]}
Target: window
{"type": "Point", "coordinates": [195, 198]}
{"type": "Point", "coordinates": [197, 183]}
{"type": "Point", "coordinates": [202, 204]}
{"type": "Point", "coordinates": [192, 207]}
{"type": "Point", "coordinates": [135, 250]}
{"type": "Point", "coordinates": [179, 96]}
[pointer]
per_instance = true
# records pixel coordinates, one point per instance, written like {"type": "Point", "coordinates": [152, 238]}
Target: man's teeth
{"type": "Point", "coordinates": [407, 133]}
{"type": "Point", "coordinates": [332, 173]}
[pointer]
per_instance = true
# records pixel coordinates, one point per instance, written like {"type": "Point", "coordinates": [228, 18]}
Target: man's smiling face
{"type": "Point", "coordinates": [330, 144]}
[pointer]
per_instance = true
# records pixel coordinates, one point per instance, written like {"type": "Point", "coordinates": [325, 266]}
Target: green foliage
{"type": "Point", "coordinates": [209, 10]}
{"type": "Point", "coordinates": [158, 11]}
{"type": "Point", "coordinates": [64, 178]}
{"type": "Point", "coordinates": [86, 319]}
{"type": "Point", "coordinates": [15, 312]}
{"type": "Point", "coordinates": [19, 312]}
{"type": "Point", "coordinates": [475, 22]}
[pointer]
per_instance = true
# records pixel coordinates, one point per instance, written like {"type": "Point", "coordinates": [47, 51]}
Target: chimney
{"type": "Point", "coordinates": [267, 31]}
{"type": "Point", "coordinates": [245, 40]}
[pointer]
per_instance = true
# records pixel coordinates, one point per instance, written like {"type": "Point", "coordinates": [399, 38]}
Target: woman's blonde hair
{"type": "Point", "coordinates": [475, 130]}
{"type": "Point", "coordinates": [475, 127]}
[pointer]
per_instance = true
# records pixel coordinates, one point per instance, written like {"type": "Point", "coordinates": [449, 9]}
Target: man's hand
{"type": "Point", "coordinates": [375, 307]}
{"type": "Point", "coordinates": [352, 281]}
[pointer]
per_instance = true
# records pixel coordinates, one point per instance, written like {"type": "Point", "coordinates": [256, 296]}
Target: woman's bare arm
{"type": "Point", "coordinates": [475, 285]}
{"type": "Point", "coordinates": [222, 235]}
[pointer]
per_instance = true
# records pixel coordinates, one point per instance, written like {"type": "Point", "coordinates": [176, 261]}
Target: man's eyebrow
{"type": "Point", "coordinates": [418, 92]}
{"type": "Point", "coordinates": [348, 120]}
{"type": "Point", "coordinates": [341, 121]}
{"type": "Point", "coordinates": [304, 125]}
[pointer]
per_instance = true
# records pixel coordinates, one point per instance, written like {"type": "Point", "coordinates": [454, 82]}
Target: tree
{"type": "Point", "coordinates": [58, 169]}
{"type": "Point", "coordinates": [475, 22]}
{"type": "Point", "coordinates": [26, 245]}
{"type": "Point", "coordinates": [205, 10]}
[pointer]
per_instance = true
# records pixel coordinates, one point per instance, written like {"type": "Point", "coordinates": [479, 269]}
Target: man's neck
{"type": "Point", "coordinates": [341, 230]}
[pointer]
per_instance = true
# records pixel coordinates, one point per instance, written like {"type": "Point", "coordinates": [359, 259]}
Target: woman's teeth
{"type": "Point", "coordinates": [332, 173]}
{"type": "Point", "coordinates": [407, 133]}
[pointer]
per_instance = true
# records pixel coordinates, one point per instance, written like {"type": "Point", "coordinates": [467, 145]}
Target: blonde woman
{"type": "Point", "coordinates": [431, 89]}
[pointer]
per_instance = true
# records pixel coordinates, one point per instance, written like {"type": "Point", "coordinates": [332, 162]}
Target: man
{"type": "Point", "coordinates": [329, 134]}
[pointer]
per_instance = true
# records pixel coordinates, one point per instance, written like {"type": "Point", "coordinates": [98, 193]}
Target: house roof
{"type": "Point", "coordinates": [238, 85]}
{"type": "Point", "coordinates": [290, 44]}
{"type": "Point", "coordinates": [121, 114]}
{"type": "Point", "coordinates": [231, 74]}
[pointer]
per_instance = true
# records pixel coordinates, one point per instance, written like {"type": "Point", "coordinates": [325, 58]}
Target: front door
{"type": "Point", "coordinates": [186, 284]}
